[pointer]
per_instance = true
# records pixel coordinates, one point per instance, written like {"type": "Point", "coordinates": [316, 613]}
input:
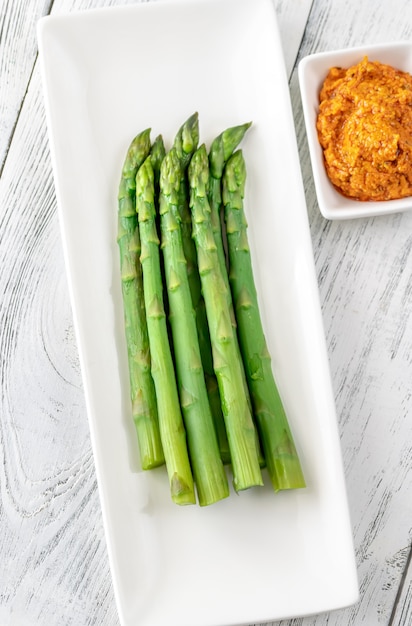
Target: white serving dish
{"type": "Point", "coordinates": [108, 74]}
{"type": "Point", "coordinates": [312, 72]}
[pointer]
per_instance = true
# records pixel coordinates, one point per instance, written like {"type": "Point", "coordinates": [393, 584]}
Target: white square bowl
{"type": "Point", "coordinates": [312, 73]}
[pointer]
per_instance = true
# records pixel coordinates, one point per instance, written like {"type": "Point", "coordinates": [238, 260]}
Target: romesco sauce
{"type": "Point", "coordinates": [364, 126]}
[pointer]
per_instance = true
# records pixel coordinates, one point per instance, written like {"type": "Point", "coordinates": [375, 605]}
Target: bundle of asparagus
{"type": "Point", "coordinates": [202, 389]}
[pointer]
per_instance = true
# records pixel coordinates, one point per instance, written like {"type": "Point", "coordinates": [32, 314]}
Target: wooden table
{"type": "Point", "coordinates": [53, 562]}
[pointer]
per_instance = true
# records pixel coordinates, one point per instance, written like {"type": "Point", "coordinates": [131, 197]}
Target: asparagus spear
{"type": "Point", "coordinates": [278, 446]}
{"type": "Point", "coordinates": [143, 398]}
{"type": "Point", "coordinates": [239, 424]}
{"type": "Point", "coordinates": [209, 474]}
{"type": "Point", "coordinates": [172, 430]}
{"type": "Point", "coordinates": [220, 150]}
{"type": "Point", "coordinates": [185, 143]}
{"type": "Point", "coordinates": [157, 154]}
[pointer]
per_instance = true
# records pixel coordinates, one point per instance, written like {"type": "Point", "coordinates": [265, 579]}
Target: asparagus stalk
{"type": "Point", "coordinates": [185, 144]}
{"type": "Point", "coordinates": [239, 424]}
{"type": "Point", "coordinates": [186, 141]}
{"type": "Point", "coordinates": [278, 445]}
{"type": "Point", "coordinates": [220, 150]}
{"type": "Point", "coordinates": [142, 392]}
{"type": "Point", "coordinates": [157, 154]}
{"type": "Point", "coordinates": [172, 430]}
{"type": "Point", "coordinates": [209, 474]}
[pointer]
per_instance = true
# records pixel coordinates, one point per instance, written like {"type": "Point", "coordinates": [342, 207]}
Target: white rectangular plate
{"type": "Point", "coordinates": [108, 74]}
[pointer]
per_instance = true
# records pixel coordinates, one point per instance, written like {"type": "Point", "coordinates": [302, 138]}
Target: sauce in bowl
{"type": "Point", "coordinates": [364, 126]}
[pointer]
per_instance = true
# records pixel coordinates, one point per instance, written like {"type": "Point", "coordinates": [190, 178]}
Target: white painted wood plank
{"type": "Point", "coordinates": [403, 611]}
{"type": "Point", "coordinates": [364, 270]}
{"type": "Point", "coordinates": [292, 18]}
{"type": "Point", "coordinates": [53, 564]}
{"type": "Point", "coordinates": [18, 49]}
{"type": "Point", "coordinates": [47, 472]}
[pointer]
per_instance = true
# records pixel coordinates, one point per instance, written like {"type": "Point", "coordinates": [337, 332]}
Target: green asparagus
{"type": "Point", "coordinates": [278, 445]}
{"type": "Point", "coordinates": [172, 430]}
{"type": "Point", "coordinates": [142, 391]}
{"type": "Point", "coordinates": [239, 423]}
{"type": "Point", "coordinates": [209, 474]}
{"type": "Point", "coordinates": [185, 143]}
{"type": "Point", "coordinates": [220, 150]}
{"type": "Point", "coordinates": [186, 140]}
{"type": "Point", "coordinates": [157, 154]}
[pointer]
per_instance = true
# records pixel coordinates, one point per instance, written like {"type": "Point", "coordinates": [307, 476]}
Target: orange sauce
{"type": "Point", "coordinates": [364, 126]}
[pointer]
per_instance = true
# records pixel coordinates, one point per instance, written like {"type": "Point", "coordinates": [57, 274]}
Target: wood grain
{"type": "Point", "coordinates": [364, 274]}
{"type": "Point", "coordinates": [51, 573]}
{"type": "Point", "coordinates": [53, 560]}
{"type": "Point", "coordinates": [402, 613]}
{"type": "Point", "coordinates": [18, 50]}
{"type": "Point", "coordinates": [47, 472]}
